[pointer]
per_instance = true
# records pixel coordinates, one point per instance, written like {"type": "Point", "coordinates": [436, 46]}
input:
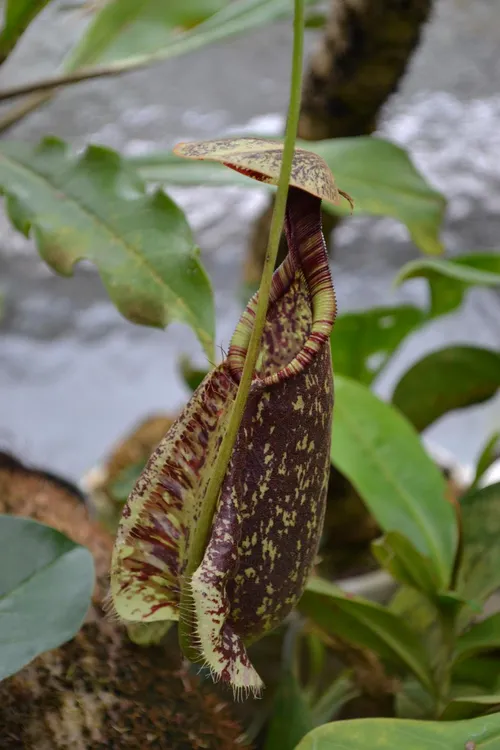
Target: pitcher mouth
{"type": "Point", "coordinates": [307, 256]}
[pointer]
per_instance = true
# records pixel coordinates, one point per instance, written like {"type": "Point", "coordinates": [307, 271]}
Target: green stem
{"type": "Point", "coordinates": [447, 621]}
{"type": "Point", "coordinates": [202, 531]}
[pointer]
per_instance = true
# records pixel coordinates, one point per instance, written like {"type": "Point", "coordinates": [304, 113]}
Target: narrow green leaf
{"type": "Point", "coordinates": [367, 624]}
{"type": "Point", "coordinates": [95, 207]}
{"type": "Point", "coordinates": [377, 333]}
{"type": "Point", "coordinates": [125, 481]}
{"type": "Point", "coordinates": [18, 14]}
{"type": "Point", "coordinates": [291, 718]}
{"type": "Point", "coordinates": [145, 32]}
{"type": "Point", "coordinates": [449, 279]}
{"type": "Point", "coordinates": [399, 734]}
{"type": "Point", "coordinates": [479, 572]}
{"type": "Point", "coordinates": [380, 452]}
{"type": "Point", "coordinates": [397, 555]}
{"type": "Point", "coordinates": [481, 637]}
{"type": "Point", "coordinates": [483, 671]}
{"type": "Point", "coordinates": [445, 380]}
{"type": "Point", "coordinates": [377, 174]}
{"type": "Point", "coordinates": [122, 28]}
{"type": "Point", "coordinates": [413, 701]}
{"type": "Point", "coordinates": [467, 706]}
{"type": "Point", "coordinates": [46, 582]}
{"type": "Point", "coordinates": [341, 691]}
{"type": "Point", "coordinates": [489, 454]}
{"type": "Point", "coordinates": [192, 376]}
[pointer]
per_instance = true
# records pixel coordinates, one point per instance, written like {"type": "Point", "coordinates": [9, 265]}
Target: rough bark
{"type": "Point", "coordinates": [359, 62]}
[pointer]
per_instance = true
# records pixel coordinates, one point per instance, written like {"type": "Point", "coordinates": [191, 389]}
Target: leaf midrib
{"type": "Point", "coordinates": [412, 506]}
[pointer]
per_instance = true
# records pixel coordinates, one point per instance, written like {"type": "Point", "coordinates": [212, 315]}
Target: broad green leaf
{"type": "Point", "coordinates": [94, 207]}
{"type": "Point", "coordinates": [18, 14]}
{"type": "Point", "coordinates": [366, 624]}
{"type": "Point", "coordinates": [479, 572]}
{"type": "Point", "coordinates": [397, 555]}
{"type": "Point", "coordinates": [489, 454]}
{"type": "Point", "coordinates": [449, 279]}
{"type": "Point", "coordinates": [141, 44]}
{"type": "Point", "coordinates": [378, 175]}
{"type": "Point", "coordinates": [467, 706]}
{"type": "Point", "coordinates": [46, 582]}
{"type": "Point", "coordinates": [290, 718]}
{"type": "Point", "coordinates": [481, 637]}
{"type": "Point", "coordinates": [122, 28]}
{"type": "Point", "coordinates": [399, 734]}
{"type": "Point", "coordinates": [376, 334]}
{"type": "Point", "coordinates": [445, 380]}
{"type": "Point", "coordinates": [380, 452]}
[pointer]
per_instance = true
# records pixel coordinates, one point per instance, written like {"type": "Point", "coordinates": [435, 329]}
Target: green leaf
{"type": "Point", "coordinates": [445, 380]}
{"type": "Point", "coordinates": [479, 571]}
{"type": "Point", "coordinates": [449, 279]}
{"type": "Point", "coordinates": [125, 481]}
{"type": "Point", "coordinates": [377, 174]}
{"type": "Point", "coordinates": [46, 582]}
{"type": "Point", "coordinates": [291, 718]}
{"type": "Point", "coordinates": [122, 28]}
{"type": "Point", "coordinates": [192, 376]}
{"type": "Point", "coordinates": [384, 182]}
{"type": "Point", "coordinates": [399, 734]}
{"type": "Point", "coordinates": [481, 637]}
{"type": "Point", "coordinates": [146, 32]}
{"type": "Point", "coordinates": [412, 701]}
{"type": "Point", "coordinates": [366, 624]}
{"type": "Point", "coordinates": [380, 452]}
{"type": "Point", "coordinates": [489, 454]}
{"type": "Point", "coordinates": [397, 555]}
{"type": "Point", "coordinates": [341, 691]}
{"type": "Point", "coordinates": [377, 333]}
{"type": "Point", "coordinates": [483, 671]}
{"type": "Point", "coordinates": [95, 207]}
{"type": "Point", "coordinates": [18, 14]}
{"type": "Point", "coordinates": [467, 706]}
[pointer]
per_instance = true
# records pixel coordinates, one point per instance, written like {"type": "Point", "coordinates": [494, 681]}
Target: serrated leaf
{"type": "Point", "coordinates": [449, 279]}
{"type": "Point", "coordinates": [95, 207]}
{"type": "Point", "coordinates": [479, 571]}
{"type": "Point", "coordinates": [377, 333]}
{"type": "Point", "coordinates": [46, 582]}
{"type": "Point", "coordinates": [400, 734]}
{"type": "Point", "coordinates": [380, 452]}
{"type": "Point", "coordinates": [18, 14]}
{"type": "Point", "coordinates": [445, 380]}
{"type": "Point", "coordinates": [378, 175]}
{"type": "Point", "coordinates": [366, 624]}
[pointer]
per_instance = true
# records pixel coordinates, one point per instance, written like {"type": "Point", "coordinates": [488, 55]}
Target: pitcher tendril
{"type": "Point", "coordinates": [264, 534]}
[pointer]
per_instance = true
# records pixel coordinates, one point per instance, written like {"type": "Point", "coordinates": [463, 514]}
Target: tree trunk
{"type": "Point", "coordinates": [362, 56]}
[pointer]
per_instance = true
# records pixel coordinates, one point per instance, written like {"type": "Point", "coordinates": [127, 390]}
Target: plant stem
{"type": "Point", "coordinates": [19, 111]}
{"type": "Point", "coordinates": [203, 527]}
